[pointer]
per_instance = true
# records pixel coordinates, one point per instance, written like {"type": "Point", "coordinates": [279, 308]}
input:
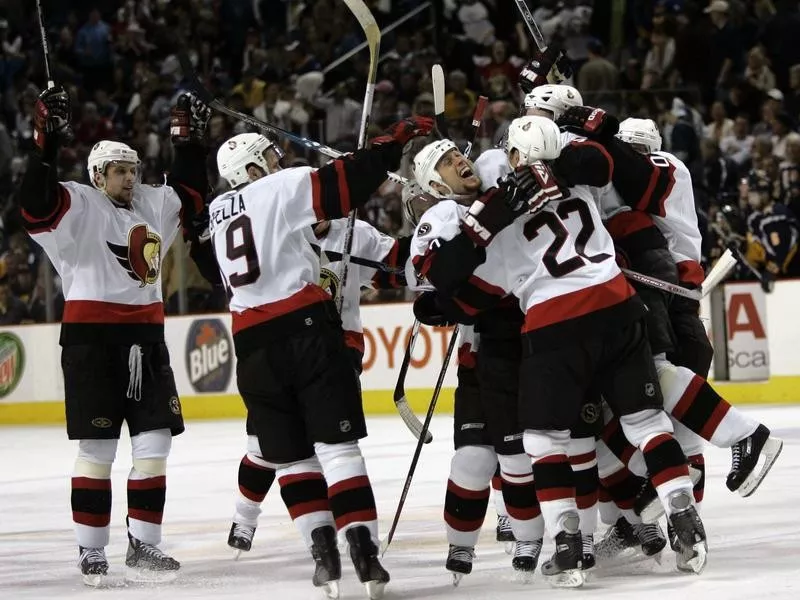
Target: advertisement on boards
{"type": "Point", "coordinates": [746, 332]}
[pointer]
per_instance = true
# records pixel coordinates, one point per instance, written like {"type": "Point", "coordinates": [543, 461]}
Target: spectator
{"type": "Point", "coordinates": [720, 126]}
{"type": "Point", "coordinates": [459, 102]}
{"type": "Point", "coordinates": [726, 45]}
{"type": "Point", "coordinates": [92, 127]}
{"type": "Point", "coordinates": [93, 49]}
{"type": "Point", "coordinates": [790, 174]}
{"type": "Point", "coordinates": [598, 74]}
{"type": "Point", "coordinates": [739, 143]}
{"type": "Point", "coordinates": [793, 99]}
{"type": "Point", "coordinates": [782, 126]}
{"type": "Point", "coordinates": [12, 310]}
{"type": "Point", "coordinates": [342, 114]}
{"type": "Point", "coordinates": [474, 18]}
{"type": "Point", "coordinates": [251, 88]}
{"type": "Point", "coordinates": [757, 73]}
{"type": "Point", "coordinates": [658, 63]}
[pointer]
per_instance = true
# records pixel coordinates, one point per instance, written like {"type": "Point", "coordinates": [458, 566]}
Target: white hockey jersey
{"type": "Point", "coordinates": [678, 221]}
{"type": "Point", "coordinates": [109, 259]}
{"type": "Point", "coordinates": [369, 244]}
{"type": "Point", "coordinates": [559, 263]}
{"type": "Point", "coordinates": [261, 240]}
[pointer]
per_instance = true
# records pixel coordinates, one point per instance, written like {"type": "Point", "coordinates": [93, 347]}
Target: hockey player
{"type": "Point", "coordinates": [106, 241]}
{"type": "Point", "coordinates": [294, 374]}
{"type": "Point", "coordinates": [241, 160]}
{"type": "Point", "coordinates": [486, 430]}
{"type": "Point", "coordinates": [569, 304]}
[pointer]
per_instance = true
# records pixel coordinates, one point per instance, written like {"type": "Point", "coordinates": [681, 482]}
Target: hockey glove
{"type": "Point", "coordinates": [591, 122]}
{"type": "Point", "coordinates": [51, 120]}
{"type": "Point", "coordinates": [188, 119]}
{"type": "Point", "coordinates": [538, 184]}
{"type": "Point", "coordinates": [494, 211]}
{"type": "Point", "coordinates": [404, 131]}
{"type": "Point", "coordinates": [547, 66]}
{"type": "Point", "coordinates": [429, 312]}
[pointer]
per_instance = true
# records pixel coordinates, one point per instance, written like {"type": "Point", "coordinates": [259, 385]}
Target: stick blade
{"type": "Point", "coordinates": [437, 77]}
{"type": "Point", "coordinates": [719, 272]}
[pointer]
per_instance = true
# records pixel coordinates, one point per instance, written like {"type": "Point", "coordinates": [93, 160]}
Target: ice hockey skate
{"type": "Point", "coordinates": [505, 534]}
{"type": "Point", "coordinates": [459, 562]}
{"type": "Point", "coordinates": [93, 565]}
{"type": "Point", "coordinates": [364, 554]}
{"type": "Point", "coordinates": [146, 563]}
{"type": "Point", "coordinates": [746, 454]}
{"type": "Point", "coordinates": [565, 567]}
{"type": "Point", "coordinates": [690, 535]}
{"type": "Point", "coordinates": [526, 557]}
{"type": "Point", "coordinates": [328, 569]}
{"type": "Point", "coordinates": [240, 539]}
{"type": "Point", "coordinates": [588, 558]}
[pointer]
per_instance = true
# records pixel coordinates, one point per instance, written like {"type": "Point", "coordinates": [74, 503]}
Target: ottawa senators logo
{"type": "Point", "coordinates": [141, 258]}
{"type": "Point", "coordinates": [329, 281]}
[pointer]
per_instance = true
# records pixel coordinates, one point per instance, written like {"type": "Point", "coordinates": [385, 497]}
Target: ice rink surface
{"type": "Point", "coordinates": [754, 543]}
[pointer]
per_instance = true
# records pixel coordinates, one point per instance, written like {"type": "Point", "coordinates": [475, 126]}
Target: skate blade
{"type": "Point", "coordinates": [330, 589]}
{"type": "Point", "coordinates": [134, 575]}
{"type": "Point", "coordinates": [524, 577]}
{"type": "Point", "coordinates": [375, 589]}
{"type": "Point", "coordinates": [571, 578]}
{"type": "Point", "coordinates": [457, 577]}
{"type": "Point", "coordinates": [697, 563]}
{"type": "Point", "coordinates": [237, 553]}
{"type": "Point", "coordinates": [94, 580]}
{"type": "Point", "coordinates": [771, 450]}
{"type": "Point", "coordinates": [509, 547]}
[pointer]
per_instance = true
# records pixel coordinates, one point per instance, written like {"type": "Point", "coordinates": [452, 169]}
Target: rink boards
{"type": "Point", "coordinates": [765, 332]}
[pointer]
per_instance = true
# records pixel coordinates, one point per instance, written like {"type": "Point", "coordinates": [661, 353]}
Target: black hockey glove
{"type": "Point", "coordinates": [591, 122]}
{"type": "Point", "coordinates": [494, 211]}
{"type": "Point", "coordinates": [188, 119]}
{"type": "Point", "coordinates": [404, 131]}
{"type": "Point", "coordinates": [548, 66]}
{"type": "Point", "coordinates": [429, 312]}
{"type": "Point", "coordinates": [539, 185]}
{"type": "Point", "coordinates": [52, 121]}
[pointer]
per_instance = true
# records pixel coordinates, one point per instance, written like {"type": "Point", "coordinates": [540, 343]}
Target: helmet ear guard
{"type": "Point", "coordinates": [415, 202]}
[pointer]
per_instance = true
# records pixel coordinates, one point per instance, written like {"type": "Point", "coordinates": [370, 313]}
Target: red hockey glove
{"type": "Point", "coordinates": [549, 66]}
{"type": "Point", "coordinates": [494, 211]}
{"type": "Point", "coordinates": [588, 121]}
{"type": "Point", "coordinates": [538, 184]}
{"type": "Point", "coordinates": [405, 130]}
{"type": "Point", "coordinates": [51, 120]}
{"type": "Point", "coordinates": [188, 119]}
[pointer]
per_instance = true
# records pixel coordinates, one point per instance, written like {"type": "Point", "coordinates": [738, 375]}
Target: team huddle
{"type": "Point", "coordinates": [581, 392]}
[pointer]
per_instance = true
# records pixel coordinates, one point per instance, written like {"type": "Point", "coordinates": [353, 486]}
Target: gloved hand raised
{"type": "Point", "coordinates": [405, 130]}
{"type": "Point", "coordinates": [188, 119]}
{"type": "Point", "coordinates": [52, 120]}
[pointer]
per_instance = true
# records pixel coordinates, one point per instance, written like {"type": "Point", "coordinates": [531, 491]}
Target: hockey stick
{"type": "Point", "coordinates": [45, 50]}
{"type": "Point", "coordinates": [477, 118]}
{"type": "Point", "coordinates": [373, 34]}
{"type": "Point", "coordinates": [665, 286]}
{"type": "Point", "coordinates": [408, 416]}
{"type": "Point", "coordinates": [207, 97]}
{"type": "Point", "coordinates": [418, 450]}
{"type": "Point", "coordinates": [437, 78]}
{"type": "Point", "coordinates": [365, 262]}
{"type": "Point", "coordinates": [527, 16]}
{"type": "Point", "coordinates": [719, 271]}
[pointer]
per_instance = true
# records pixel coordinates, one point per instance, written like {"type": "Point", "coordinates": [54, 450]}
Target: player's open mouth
{"type": "Point", "coordinates": [465, 172]}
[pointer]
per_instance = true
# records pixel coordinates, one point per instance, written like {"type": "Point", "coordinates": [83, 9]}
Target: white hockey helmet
{"type": "Point", "coordinates": [554, 98]}
{"type": "Point", "coordinates": [240, 151]}
{"type": "Point", "coordinates": [425, 163]}
{"type": "Point", "coordinates": [640, 132]}
{"type": "Point", "coordinates": [535, 138]}
{"type": "Point", "coordinates": [106, 152]}
{"type": "Point", "coordinates": [415, 202]}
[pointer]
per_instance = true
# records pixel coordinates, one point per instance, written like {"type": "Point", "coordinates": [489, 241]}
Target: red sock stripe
{"type": "Point", "coordinates": [249, 463]}
{"type": "Point", "coordinates": [496, 483]}
{"type": "Point", "coordinates": [615, 478]}
{"type": "Point", "coordinates": [657, 441]}
{"type": "Point", "coordinates": [90, 519]}
{"type": "Point", "coordinates": [628, 453]}
{"type": "Point", "coordinates": [688, 397]}
{"type": "Point", "coordinates": [348, 484]}
{"type": "Point", "coordinates": [524, 514]}
{"type": "Point", "coordinates": [148, 516]}
{"type": "Point", "coordinates": [465, 493]}
{"type": "Point", "coordinates": [151, 483]}
{"type": "Point", "coordinates": [587, 500]}
{"type": "Point", "coordinates": [553, 458]}
{"type": "Point", "coordinates": [461, 524]}
{"type": "Point", "coordinates": [556, 493]}
{"type": "Point", "coordinates": [603, 495]}
{"type": "Point", "coordinates": [580, 459]}
{"type": "Point", "coordinates": [285, 480]}
{"type": "Point", "coordinates": [89, 483]}
{"type": "Point", "coordinates": [669, 474]}
{"type": "Point", "coordinates": [306, 508]}
{"type": "Point", "coordinates": [363, 516]}
{"type": "Point", "coordinates": [609, 429]}
{"type": "Point", "coordinates": [251, 495]}
{"type": "Point", "coordinates": [714, 420]}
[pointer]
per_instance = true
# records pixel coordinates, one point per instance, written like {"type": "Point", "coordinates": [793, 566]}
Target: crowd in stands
{"type": "Point", "coordinates": [721, 78]}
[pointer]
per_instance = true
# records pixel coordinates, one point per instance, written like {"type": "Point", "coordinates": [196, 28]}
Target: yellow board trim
{"type": "Point", "coordinates": [778, 390]}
